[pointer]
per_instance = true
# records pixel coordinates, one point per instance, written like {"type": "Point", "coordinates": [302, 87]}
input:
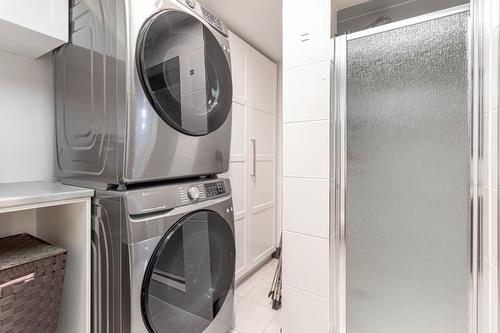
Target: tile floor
{"type": "Point", "coordinates": [252, 309]}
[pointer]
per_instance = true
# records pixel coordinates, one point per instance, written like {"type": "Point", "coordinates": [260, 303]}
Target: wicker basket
{"type": "Point", "coordinates": [31, 280]}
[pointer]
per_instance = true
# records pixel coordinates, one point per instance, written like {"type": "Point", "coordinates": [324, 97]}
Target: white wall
{"type": "Point", "coordinates": [489, 182]}
{"type": "Point", "coordinates": [27, 118]}
{"type": "Point", "coordinates": [279, 156]}
{"type": "Point", "coordinates": [306, 166]}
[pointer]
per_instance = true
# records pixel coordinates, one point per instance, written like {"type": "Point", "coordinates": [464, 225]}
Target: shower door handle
{"type": "Point", "coordinates": [254, 158]}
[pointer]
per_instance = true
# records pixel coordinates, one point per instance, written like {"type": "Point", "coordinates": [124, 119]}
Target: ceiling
{"type": "Point", "coordinates": [258, 22]}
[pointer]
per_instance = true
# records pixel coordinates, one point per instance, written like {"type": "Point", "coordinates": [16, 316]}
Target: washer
{"type": "Point", "coordinates": [164, 259]}
{"type": "Point", "coordinates": [143, 93]}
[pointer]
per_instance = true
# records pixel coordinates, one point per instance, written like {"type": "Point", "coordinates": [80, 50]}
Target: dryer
{"type": "Point", "coordinates": [143, 93]}
{"type": "Point", "coordinates": [164, 259]}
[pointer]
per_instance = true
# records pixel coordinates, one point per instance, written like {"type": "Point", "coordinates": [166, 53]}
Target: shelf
{"type": "Point", "coordinates": [28, 195]}
{"type": "Point", "coordinates": [60, 215]}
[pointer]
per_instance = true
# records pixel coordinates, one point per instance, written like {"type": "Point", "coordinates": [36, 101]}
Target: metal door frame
{"type": "Point", "coordinates": [339, 143]}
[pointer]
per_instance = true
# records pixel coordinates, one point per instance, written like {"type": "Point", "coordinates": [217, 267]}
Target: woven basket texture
{"type": "Point", "coordinates": [30, 305]}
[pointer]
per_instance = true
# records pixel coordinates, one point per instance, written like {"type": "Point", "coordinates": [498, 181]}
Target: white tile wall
{"type": "Point", "coordinates": [306, 149]}
{"type": "Point", "coordinates": [304, 312]}
{"type": "Point", "coordinates": [299, 193]}
{"type": "Point", "coordinates": [306, 165]}
{"type": "Point", "coordinates": [489, 184]}
{"type": "Point", "coordinates": [309, 101]}
{"type": "Point", "coordinates": [307, 265]}
{"type": "Point", "coordinates": [306, 32]}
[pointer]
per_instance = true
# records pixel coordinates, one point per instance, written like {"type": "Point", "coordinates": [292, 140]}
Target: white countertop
{"type": "Point", "coordinates": [36, 193]}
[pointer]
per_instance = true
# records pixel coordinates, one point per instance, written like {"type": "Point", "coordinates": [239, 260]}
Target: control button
{"type": "Point", "coordinates": [193, 193]}
{"type": "Point", "coordinates": [191, 3]}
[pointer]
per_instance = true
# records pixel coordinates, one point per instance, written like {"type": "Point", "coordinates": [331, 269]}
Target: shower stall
{"type": "Point", "coordinates": [404, 140]}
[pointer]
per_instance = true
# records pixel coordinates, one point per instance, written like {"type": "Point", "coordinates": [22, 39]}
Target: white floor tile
{"type": "Point", "coordinates": [253, 308]}
{"type": "Point", "coordinates": [275, 325]}
{"type": "Point", "coordinates": [259, 294]}
{"type": "Point", "coordinates": [267, 271]}
{"type": "Point", "coordinates": [251, 317]}
{"type": "Point", "coordinates": [244, 288]}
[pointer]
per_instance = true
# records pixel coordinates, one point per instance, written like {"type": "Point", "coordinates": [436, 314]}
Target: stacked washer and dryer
{"type": "Point", "coordinates": [143, 112]}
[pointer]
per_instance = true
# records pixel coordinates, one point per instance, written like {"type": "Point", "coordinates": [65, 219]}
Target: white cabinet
{"type": "Point", "coordinates": [60, 215]}
{"type": "Point", "coordinates": [32, 28]}
{"type": "Point", "coordinates": [253, 155]}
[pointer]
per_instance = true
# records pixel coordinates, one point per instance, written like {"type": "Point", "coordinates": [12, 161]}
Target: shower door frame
{"type": "Point", "coordinates": [339, 145]}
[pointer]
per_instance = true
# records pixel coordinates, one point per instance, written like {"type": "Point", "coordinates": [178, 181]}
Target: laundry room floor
{"type": "Point", "coordinates": [253, 310]}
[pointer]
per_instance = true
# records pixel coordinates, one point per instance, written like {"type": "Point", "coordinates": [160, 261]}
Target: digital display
{"type": "Point", "coordinates": [215, 189]}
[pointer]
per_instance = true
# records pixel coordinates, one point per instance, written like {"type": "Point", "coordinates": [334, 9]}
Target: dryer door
{"type": "Point", "coordinates": [185, 72]}
{"type": "Point", "coordinates": [189, 275]}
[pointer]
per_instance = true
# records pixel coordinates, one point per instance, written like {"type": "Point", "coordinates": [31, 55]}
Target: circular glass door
{"type": "Point", "coordinates": [189, 275]}
{"type": "Point", "coordinates": [184, 72]}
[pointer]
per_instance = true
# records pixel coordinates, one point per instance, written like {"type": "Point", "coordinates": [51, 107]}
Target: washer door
{"type": "Point", "coordinates": [189, 275]}
{"type": "Point", "coordinates": [184, 72]}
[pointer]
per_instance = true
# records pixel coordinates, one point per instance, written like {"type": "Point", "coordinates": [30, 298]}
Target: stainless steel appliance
{"type": "Point", "coordinates": [163, 258]}
{"type": "Point", "coordinates": [143, 93]}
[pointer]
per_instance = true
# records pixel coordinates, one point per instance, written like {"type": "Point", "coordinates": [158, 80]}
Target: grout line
{"type": "Point", "coordinates": [306, 64]}
{"type": "Point", "coordinates": [308, 178]}
{"type": "Point", "coordinates": [274, 317]}
{"type": "Point", "coordinates": [305, 121]}
{"type": "Point", "coordinates": [303, 234]}
{"type": "Point", "coordinates": [306, 292]}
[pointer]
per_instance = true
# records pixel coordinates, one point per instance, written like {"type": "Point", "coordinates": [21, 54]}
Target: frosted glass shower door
{"type": "Point", "coordinates": [407, 179]}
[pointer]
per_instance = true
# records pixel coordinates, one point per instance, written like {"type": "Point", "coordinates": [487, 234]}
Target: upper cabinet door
{"type": "Point", "coordinates": [31, 28]}
{"type": "Point", "coordinates": [239, 60]}
{"type": "Point", "coordinates": [306, 32]}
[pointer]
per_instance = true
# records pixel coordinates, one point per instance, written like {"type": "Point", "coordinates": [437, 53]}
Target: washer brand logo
{"type": "Point", "coordinates": [146, 194]}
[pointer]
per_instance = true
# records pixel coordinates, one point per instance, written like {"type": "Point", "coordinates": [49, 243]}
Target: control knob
{"type": "Point", "coordinates": [191, 3]}
{"type": "Point", "coordinates": [193, 193]}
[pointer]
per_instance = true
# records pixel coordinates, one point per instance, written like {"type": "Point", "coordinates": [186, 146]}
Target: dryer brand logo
{"type": "Point", "coordinates": [191, 72]}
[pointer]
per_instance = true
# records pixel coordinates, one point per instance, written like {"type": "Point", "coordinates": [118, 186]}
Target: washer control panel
{"type": "Point", "coordinates": [215, 189]}
{"type": "Point", "coordinates": [154, 199]}
{"type": "Point", "coordinates": [200, 192]}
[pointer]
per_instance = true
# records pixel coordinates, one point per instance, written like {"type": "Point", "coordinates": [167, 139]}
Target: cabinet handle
{"type": "Point", "coordinates": [254, 162]}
